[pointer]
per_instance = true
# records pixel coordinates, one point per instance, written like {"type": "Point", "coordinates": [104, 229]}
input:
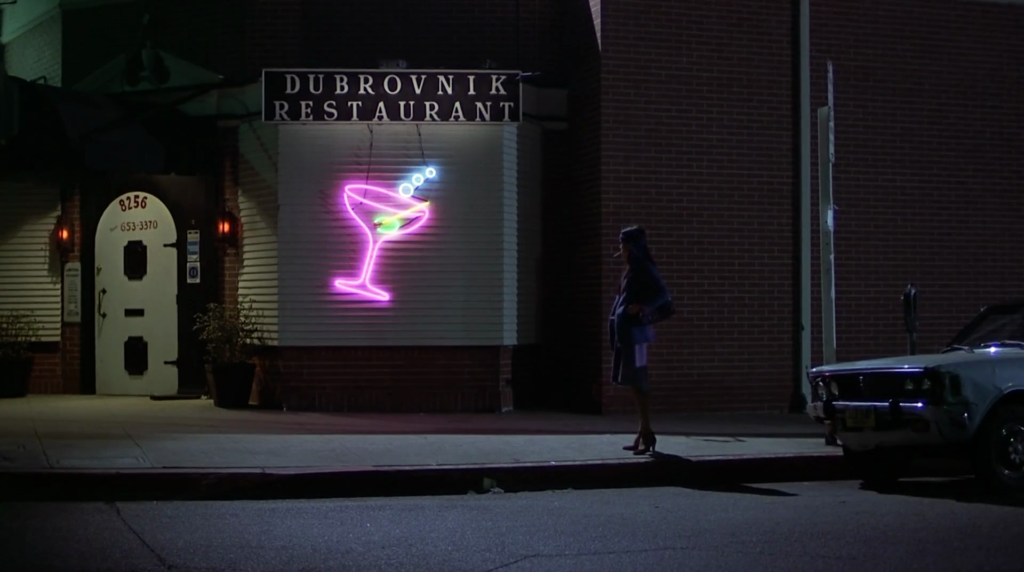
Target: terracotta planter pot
{"type": "Point", "coordinates": [15, 377]}
{"type": "Point", "coordinates": [232, 384]}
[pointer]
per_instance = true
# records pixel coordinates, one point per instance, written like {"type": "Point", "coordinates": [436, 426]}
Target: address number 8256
{"type": "Point", "coordinates": [132, 203]}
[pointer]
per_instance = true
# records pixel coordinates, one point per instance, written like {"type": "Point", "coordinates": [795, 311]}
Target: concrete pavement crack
{"type": "Point", "coordinates": [163, 562]}
{"type": "Point", "coordinates": [632, 551]}
{"type": "Point", "coordinates": [139, 447]}
{"type": "Point", "coordinates": [593, 553]}
{"type": "Point", "coordinates": [46, 456]}
{"type": "Point", "coordinates": [514, 562]}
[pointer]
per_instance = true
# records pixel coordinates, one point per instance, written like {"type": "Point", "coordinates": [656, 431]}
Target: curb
{"type": "Point", "coordinates": [352, 482]}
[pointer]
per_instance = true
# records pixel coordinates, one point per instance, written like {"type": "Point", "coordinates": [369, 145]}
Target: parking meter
{"type": "Point", "coordinates": [910, 317]}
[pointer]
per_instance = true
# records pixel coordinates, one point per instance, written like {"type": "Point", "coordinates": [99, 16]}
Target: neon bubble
{"type": "Point", "coordinates": [417, 179]}
{"type": "Point", "coordinates": [406, 190]}
{"type": "Point", "coordinates": [431, 172]}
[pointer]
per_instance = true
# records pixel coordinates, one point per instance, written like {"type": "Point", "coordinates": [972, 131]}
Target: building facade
{"type": "Point", "coordinates": [681, 116]}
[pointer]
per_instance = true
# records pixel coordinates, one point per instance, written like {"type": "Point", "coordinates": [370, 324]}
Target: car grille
{"type": "Point", "coordinates": [875, 385]}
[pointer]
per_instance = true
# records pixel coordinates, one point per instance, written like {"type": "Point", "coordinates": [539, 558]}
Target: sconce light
{"type": "Point", "coordinates": [227, 228]}
{"type": "Point", "coordinates": [64, 236]}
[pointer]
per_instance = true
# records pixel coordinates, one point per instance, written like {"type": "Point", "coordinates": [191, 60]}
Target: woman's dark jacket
{"type": "Point", "coordinates": [642, 284]}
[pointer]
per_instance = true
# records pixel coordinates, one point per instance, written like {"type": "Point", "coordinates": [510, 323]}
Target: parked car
{"type": "Point", "coordinates": [966, 401]}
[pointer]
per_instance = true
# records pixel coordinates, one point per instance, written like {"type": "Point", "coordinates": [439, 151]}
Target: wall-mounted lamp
{"type": "Point", "coordinates": [64, 236]}
{"type": "Point", "coordinates": [227, 228]}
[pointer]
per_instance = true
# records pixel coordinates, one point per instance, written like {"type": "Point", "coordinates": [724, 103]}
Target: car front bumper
{"type": "Point", "coordinates": [867, 425]}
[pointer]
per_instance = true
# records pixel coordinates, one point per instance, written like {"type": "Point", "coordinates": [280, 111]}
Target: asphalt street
{"type": "Point", "coordinates": [919, 525]}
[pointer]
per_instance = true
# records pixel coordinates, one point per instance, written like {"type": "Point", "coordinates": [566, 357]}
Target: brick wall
{"type": "Point", "coordinates": [71, 334]}
{"type": "Point", "coordinates": [37, 52]}
{"type": "Point", "coordinates": [573, 305]}
{"type": "Point", "coordinates": [506, 358]}
{"type": "Point", "coordinates": [231, 256]}
{"type": "Point", "coordinates": [46, 369]}
{"type": "Point", "coordinates": [460, 34]}
{"type": "Point", "coordinates": [399, 380]}
{"type": "Point", "coordinates": [544, 377]}
{"type": "Point", "coordinates": [232, 172]}
{"type": "Point", "coordinates": [696, 144]}
{"type": "Point", "coordinates": [391, 379]}
{"type": "Point", "coordinates": [271, 27]}
{"type": "Point", "coordinates": [71, 358]}
{"type": "Point", "coordinates": [238, 38]}
{"type": "Point", "coordinates": [696, 138]}
{"type": "Point", "coordinates": [929, 165]}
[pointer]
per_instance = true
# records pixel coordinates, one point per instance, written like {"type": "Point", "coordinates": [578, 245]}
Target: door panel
{"type": "Point", "coordinates": [136, 298]}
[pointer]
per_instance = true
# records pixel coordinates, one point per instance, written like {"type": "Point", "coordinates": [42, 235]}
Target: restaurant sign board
{"type": "Point", "coordinates": [383, 96]}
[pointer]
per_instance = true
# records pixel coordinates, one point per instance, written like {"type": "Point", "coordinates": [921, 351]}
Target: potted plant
{"type": "Point", "coordinates": [232, 338]}
{"type": "Point", "coordinates": [17, 331]}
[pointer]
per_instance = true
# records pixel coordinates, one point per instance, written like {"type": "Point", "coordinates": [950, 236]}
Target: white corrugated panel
{"type": "Point", "coordinates": [531, 160]}
{"type": "Point", "coordinates": [258, 213]}
{"type": "Point", "coordinates": [448, 278]}
{"type": "Point", "coordinates": [30, 269]}
{"type": "Point", "coordinates": [510, 230]}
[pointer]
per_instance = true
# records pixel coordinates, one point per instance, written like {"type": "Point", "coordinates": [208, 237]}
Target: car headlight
{"type": "Point", "coordinates": [819, 388]}
{"type": "Point", "coordinates": [835, 388]}
{"type": "Point", "coordinates": [931, 384]}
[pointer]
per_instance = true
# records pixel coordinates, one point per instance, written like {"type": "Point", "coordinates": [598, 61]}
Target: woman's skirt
{"type": "Point", "coordinates": [629, 367]}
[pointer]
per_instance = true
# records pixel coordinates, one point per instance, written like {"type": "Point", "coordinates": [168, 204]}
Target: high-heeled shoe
{"type": "Point", "coordinates": [650, 441]}
{"type": "Point", "coordinates": [635, 445]}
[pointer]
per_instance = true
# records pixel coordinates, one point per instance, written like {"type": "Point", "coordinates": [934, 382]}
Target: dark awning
{"type": "Point", "coordinates": [102, 135]}
{"type": "Point", "coordinates": [58, 128]}
{"type": "Point", "coordinates": [33, 132]}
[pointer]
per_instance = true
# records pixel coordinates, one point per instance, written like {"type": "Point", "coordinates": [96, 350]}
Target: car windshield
{"type": "Point", "coordinates": [994, 324]}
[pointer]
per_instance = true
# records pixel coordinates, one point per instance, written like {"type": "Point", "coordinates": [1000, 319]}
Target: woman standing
{"type": "Point", "coordinates": [642, 301]}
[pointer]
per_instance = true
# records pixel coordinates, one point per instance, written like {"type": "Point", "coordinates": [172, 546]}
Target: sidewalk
{"type": "Point", "coordinates": [122, 447]}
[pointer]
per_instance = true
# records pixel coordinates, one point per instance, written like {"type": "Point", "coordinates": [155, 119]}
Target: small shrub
{"type": "Point", "coordinates": [231, 333]}
{"type": "Point", "coordinates": [17, 331]}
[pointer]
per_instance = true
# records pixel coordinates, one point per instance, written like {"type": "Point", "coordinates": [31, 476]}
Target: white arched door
{"type": "Point", "coordinates": [136, 298]}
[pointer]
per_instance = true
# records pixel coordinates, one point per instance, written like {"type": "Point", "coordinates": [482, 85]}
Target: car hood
{"type": "Point", "coordinates": [986, 374]}
{"type": "Point", "coordinates": [1003, 357]}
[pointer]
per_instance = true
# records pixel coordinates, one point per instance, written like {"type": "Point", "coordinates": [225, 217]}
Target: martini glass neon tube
{"type": "Point", "coordinates": [384, 215]}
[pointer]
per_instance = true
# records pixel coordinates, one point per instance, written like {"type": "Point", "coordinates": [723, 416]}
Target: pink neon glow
{"type": "Point", "coordinates": [412, 208]}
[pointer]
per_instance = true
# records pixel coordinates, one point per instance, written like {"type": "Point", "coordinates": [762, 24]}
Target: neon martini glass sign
{"type": "Point", "coordinates": [384, 215]}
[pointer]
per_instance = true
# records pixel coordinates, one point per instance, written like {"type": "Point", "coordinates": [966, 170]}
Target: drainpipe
{"type": "Point", "coordinates": [801, 392]}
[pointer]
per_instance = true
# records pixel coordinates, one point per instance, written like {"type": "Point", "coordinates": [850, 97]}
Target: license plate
{"type": "Point", "coordinates": [860, 418]}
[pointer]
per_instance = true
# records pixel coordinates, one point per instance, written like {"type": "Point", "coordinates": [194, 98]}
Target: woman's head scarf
{"type": "Point", "coordinates": [635, 238]}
